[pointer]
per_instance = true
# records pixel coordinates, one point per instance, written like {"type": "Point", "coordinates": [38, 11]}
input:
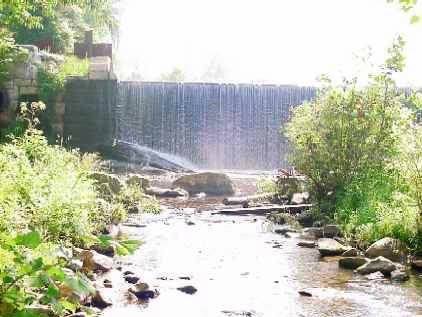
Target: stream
{"type": "Point", "coordinates": [241, 268]}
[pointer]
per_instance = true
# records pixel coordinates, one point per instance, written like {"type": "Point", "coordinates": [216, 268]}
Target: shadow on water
{"type": "Point", "coordinates": [241, 268]}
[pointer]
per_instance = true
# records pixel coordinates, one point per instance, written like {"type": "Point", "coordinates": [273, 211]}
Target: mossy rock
{"type": "Point", "coordinates": [209, 183]}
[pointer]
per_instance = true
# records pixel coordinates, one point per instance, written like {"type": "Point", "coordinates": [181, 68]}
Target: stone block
{"type": "Point", "coordinates": [28, 90]}
{"type": "Point", "coordinates": [99, 75]}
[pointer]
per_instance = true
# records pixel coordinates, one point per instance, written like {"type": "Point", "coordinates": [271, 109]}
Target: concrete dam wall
{"type": "Point", "coordinates": [232, 126]}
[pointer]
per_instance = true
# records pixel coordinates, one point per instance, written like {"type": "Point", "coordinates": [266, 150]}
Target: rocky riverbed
{"type": "Point", "coordinates": [197, 263]}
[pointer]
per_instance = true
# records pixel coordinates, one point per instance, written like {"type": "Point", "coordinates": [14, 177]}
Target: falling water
{"type": "Point", "coordinates": [213, 125]}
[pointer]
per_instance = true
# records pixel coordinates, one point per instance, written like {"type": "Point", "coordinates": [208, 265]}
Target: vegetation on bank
{"type": "Point", "coordinates": [360, 148]}
{"type": "Point", "coordinates": [49, 201]}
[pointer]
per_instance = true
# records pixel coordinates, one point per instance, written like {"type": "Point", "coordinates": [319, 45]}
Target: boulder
{"type": "Point", "coordinates": [331, 231]}
{"type": "Point", "coordinates": [351, 252]}
{"type": "Point", "coordinates": [380, 264]}
{"type": "Point", "coordinates": [352, 262]}
{"type": "Point", "coordinates": [399, 276]}
{"type": "Point", "coordinates": [209, 183]}
{"type": "Point", "coordinates": [312, 233]}
{"type": "Point", "coordinates": [327, 246]}
{"type": "Point", "coordinates": [137, 180]}
{"type": "Point", "coordinates": [416, 262]}
{"type": "Point", "coordinates": [93, 261]}
{"type": "Point", "coordinates": [387, 247]}
{"type": "Point", "coordinates": [107, 183]}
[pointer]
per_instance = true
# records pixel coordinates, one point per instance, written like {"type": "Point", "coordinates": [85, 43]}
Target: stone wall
{"type": "Point", "coordinates": [23, 85]}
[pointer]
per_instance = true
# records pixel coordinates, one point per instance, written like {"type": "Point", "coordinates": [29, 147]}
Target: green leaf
{"type": "Point", "coordinates": [30, 240]}
{"type": "Point", "coordinates": [68, 305]}
{"type": "Point", "coordinates": [53, 291]}
{"type": "Point", "coordinates": [37, 264]}
{"type": "Point", "coordinates": [130, 245]}
{"type": "Point", "coordinates": [56, 273]}
{"type": "Point", "coordinates": [415, 19]}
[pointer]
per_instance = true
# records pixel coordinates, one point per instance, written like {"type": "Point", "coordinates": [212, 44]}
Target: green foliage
{"type": "Point", "coordinates": [9, 54]}
{"type": "Point", "coordinates": [59, 22]}
{"type": "Point", "coordinates": [347, 132]}
{"type": "Point", "coordinates": [52, 83]}
{"type": "Point", "coordinates": [30, 274]}
{"type": "Point", "coordinates": [133, 198]}
{"type": "Point", "coordinates": [360, 149]}
{"type": "Point", "coordinates": [47, 187]}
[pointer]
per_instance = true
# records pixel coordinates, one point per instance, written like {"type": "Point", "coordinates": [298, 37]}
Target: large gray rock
{"type": "Point", "coordinates": [386, 247]}
{"type": "Point", "coordinates": [352, 263]}
{"type": "Point", "coordinates": [380, 264]}
{"type": "Point", "coordinates": [327, 246]}
{"type": "Point", "coordinates": [209, 183]}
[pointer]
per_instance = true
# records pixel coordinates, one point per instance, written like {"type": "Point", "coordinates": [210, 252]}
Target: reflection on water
{"type": "Point", "coordinates": [238, 272]}
{"type": "Point", "coordinates": [241, 268]}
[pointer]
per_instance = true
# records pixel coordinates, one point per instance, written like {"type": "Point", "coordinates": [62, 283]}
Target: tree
{"type": "Point", "coordinates": [176, 75]}
{"type": "Point", "coordinates": [214, 72]}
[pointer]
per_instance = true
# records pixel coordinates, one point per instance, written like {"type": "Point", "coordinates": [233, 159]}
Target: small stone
{"type": "Point", "coordinates": [93, 261]}
{"type": "Point", "coordinates": [327, 246]}
{"type": "Point", "coordinates": [128, 273]}
{"type": "Point", "coordinates": [188, 289]}
{"type": "Point", "coordinates": [100, 301]}
{"type": "Point", "coordinates": [399, 276]}
{"type": "Point", "coordinates": [80, 314]}
{"type": "Point", "coordinates": [107, 283]}
{"type": "Point", "coordinates": [416, 263]}
{"type": "Point", "coordinates": [142, 292]}
{"type": "Point", "coordinates": [283, 230]}
{"type": "Point", "coordinates": [305, 293]}
{"type": "Point", "coordinates": [190, 223]}
{"type": "Point", "coordinates": [350, 253]}
{"type": "Point", "coordinates": [75, 265]}
{"type": "Point", "coordinates": [380, 264]}
{"type": "Point", "coordinates": [307, 244]}
{"type": "Point", "coordinates": [132, 279]}
{"type": "Point", "coordinates": [184, 278]}
{"type": "Point", "coordinates": [352, 263]}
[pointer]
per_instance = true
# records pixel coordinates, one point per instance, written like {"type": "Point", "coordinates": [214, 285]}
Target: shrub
{"type": "Point", "coordinates": [30, 273]}
{"type": "Point", "coordinates": [9, 54]}
{"type": "Point", "coordinates": [48, 188]}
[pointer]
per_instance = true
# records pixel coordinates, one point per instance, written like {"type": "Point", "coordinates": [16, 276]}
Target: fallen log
{"type": "Point", "coordinates": [166, 192]}
{"type": "Point", "coordinates": [246, 200]}
{"type": "Point", "coordinates": [141, 155]}
{"type": "Point", "coordinates": [294, 209]}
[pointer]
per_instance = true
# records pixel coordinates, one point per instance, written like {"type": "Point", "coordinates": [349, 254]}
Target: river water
{"type": "Point", "coordinates": [241, 268]}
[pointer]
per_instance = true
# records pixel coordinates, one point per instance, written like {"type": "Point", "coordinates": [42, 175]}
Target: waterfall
{"type": "Point", "coordinates": [213, 125]}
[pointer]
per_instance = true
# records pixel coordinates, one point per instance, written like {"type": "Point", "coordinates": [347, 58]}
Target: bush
{"type": "Point", "coordinates": [360, 149]}
{"type": "Point", "coordinates": [48, 188]}
{"type": "Point", "coordinates": [9, 54]}
{"type": "Point", "coordinates": [30, 273]}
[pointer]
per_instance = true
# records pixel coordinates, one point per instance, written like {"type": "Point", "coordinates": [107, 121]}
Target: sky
{"type": "Point", "coordinates": [263, 41]}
